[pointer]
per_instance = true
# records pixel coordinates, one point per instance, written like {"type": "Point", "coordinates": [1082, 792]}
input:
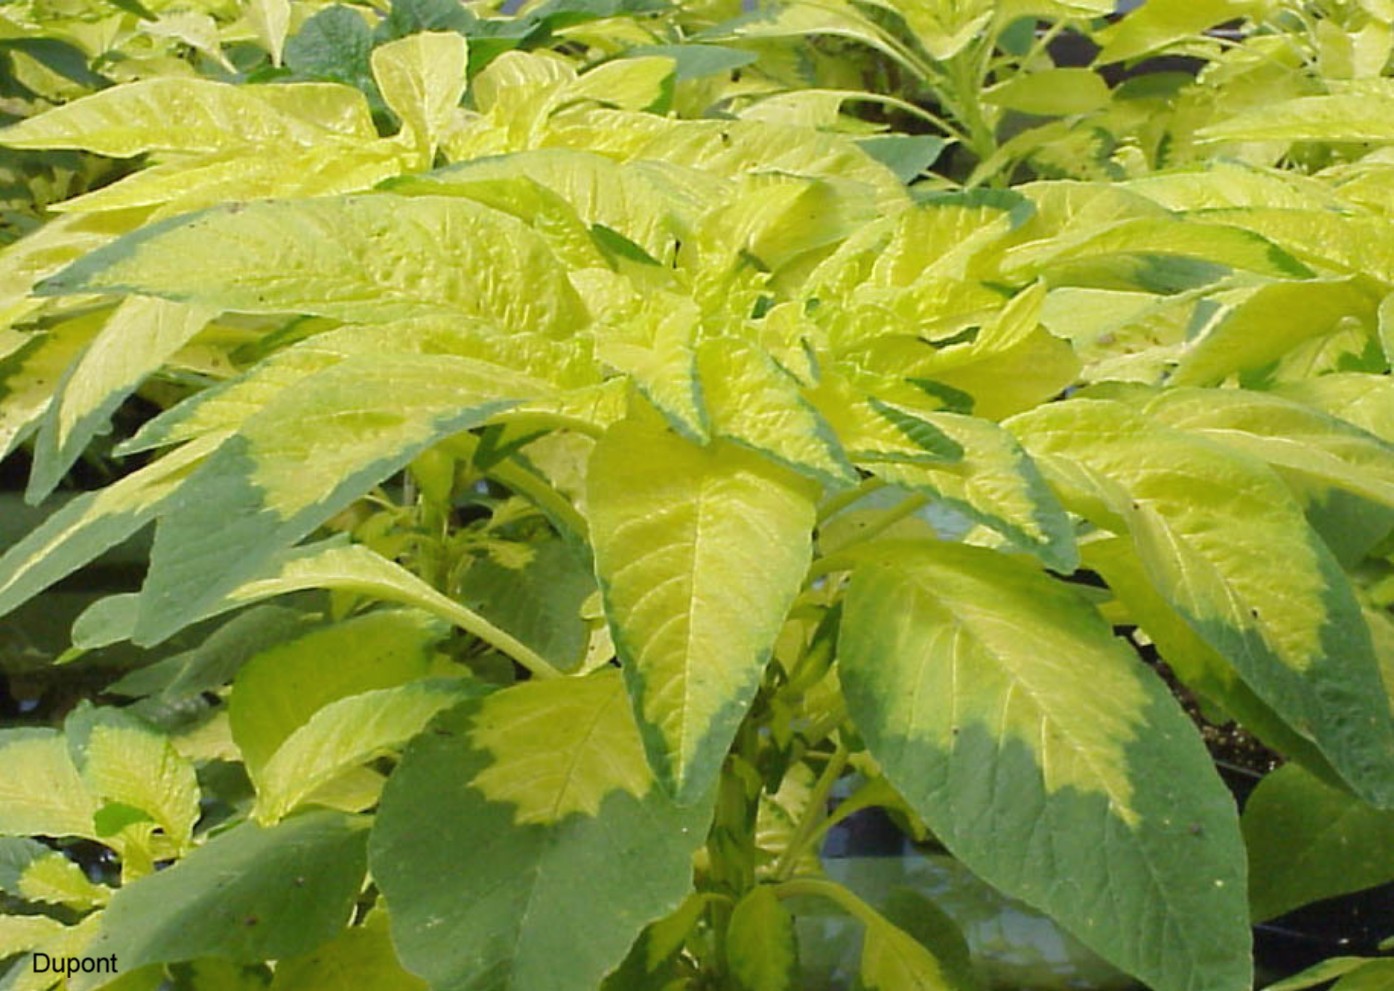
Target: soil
{"type": "Point", "coordinates": [1229, 743]}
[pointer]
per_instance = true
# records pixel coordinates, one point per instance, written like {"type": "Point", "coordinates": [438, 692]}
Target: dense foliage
{"type": "Point", "coordinates": [594, 450]}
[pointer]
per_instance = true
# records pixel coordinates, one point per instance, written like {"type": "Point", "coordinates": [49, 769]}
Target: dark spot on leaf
{"type": "Point", "coordinates": [250, 920]}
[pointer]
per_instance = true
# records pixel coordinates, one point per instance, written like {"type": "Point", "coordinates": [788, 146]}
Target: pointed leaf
{"type": "Point", "coordinates": [995, 483]}
{"type": "Point", "coordinates": [490, 829]}
{"type": "Point", "coordinates": [1267, 323]}
{"type": "Point", "coordinates": [1308, 841]}
{"type": "Point", "coordinates": [1159, 23]}
{"type": "Point", "coordinates": [280, 689]}
{"type": "Point", "coordinates": [893, 960]}
{"type": "Point", "coordinates": [1342, 117]}
{"type": "Point", "coordinates": [93, 523]}
{"type": "Point", "coordinates": [1287, 435]}
{"type": "Point", "coordinates": [30, 375]}
{"type": "Point", "coordinates": [166, 114]}
{"type": "Point", "coordinates": [699, 553]}
{"type": "Point", "coordinates": [285, 171]}
{"type": "Point", "coordinates": [135, 341]}
{"type": "Point", "coordinates": [302, 459]}
{"type": "Point", "coordinates": [270, 19]}
{"type": "Point", "coordinates": [422, 79]}
{"type": "Point", "coordinates": [1000, 705]}
{"type": "Point", "coordinates": [450, 257]}
{"type": "Point", "coordinates": [755, 403]}
{"type": "Point", "coordinates": [248, 894]}
{"type": "Point", "coordinates": [346, 733]}
{"type": "Point", "coordinates": [1208, 523]}
{"type": "Point", "coordinates": [1226, 247]}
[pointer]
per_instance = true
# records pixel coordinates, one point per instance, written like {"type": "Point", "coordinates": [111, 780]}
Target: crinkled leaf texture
{"type": "Point", "coordinates": [522, 844]}
{"type": "Point", "coordinates": [699, 552]}
{"type": "Point", "coordinates": [1041, 754]}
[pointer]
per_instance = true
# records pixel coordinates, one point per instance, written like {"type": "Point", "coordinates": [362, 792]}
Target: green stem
{"type": "Point", "coordinates": [817, 887]}
{"type": "Point", "coordinates": [843, 499]}
{"type": "Point", "coordinates": [476, 625]}
{"type": "Point", "coordinates": [813, 815]}
{"type": "Point", "coordinates": [542, 495]}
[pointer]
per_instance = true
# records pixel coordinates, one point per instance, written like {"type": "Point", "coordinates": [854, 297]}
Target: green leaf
{"type": "Point", "coordinates": [134, 342]}
{"type": "Point", "coordinates": [361, 958]}
{"type": "Point", "coordinates": [164, 114]}
{"type": "Point", "coordinates": [875, 432]}
{"type": "Point", "coordinates": [215, 662]}
{"type": "Point", "coordinates": [30, 375]}
{"type": "Point", "coordinates": [128, 761]}
{"type": "Point", "coordinates": [1194, 661]}
{"type": "Point", "coordinates": [1263, 325]}
{"type": "Point", "coordinates": [278, 690]}
{"type": "Point", "coordinates": [995, 483]}
{"type": "Point", "coordinates": [893, 960]}
{"type": "Point", "coordinates": [285, 171]}
{"type": "Point", "coordinates": [335, 44]}
{"type": "Point", "coordinates": [306, 456]}
{"type": "Point", "coordinates": [1095, 246]}
{"type": "Point", "coordinates": [754, 402]}
{"type": "Point", "coordinates": [1364, 400]}
{"type": "Point", "coordinates": [1298, 439]}
{"type": "Point", "coordinates": [650, 203]}
{"type": "Point", "coordinates": [654, 344]}
{"type": "Point", "coordinates": [490, 830]}
{"type": "Point", "coordinates": [346, 733]}
{"type": "Point", "coordinates": [55, 879]}
{"type": "Point", "coordinates": [270, 19]}
{"type": "Point", "coordinates": [539, 604]}
{"type": "Point", "coordinates": [450, 257]}
{"type": "Point", "coordinates": [1159, 23]}
{"type": "Point", "coordinates": [41, 792]}
{"type": "Point", "coordinates": [1027, 737]}
{"type": "Point", "coordinates": [19, 933]}
{"type": "Point", "coordinates": [909, 156]}
{"type": "Point", "coordinates": [1320, 973]}
{"type": "Point", "coordinates": [1372, 975]}
{"type": "Point", "coordinates": [1308, 840]}
{"type": "Point", "coordinates": [631, 82]}
{"type": "Point", "coordinates": [248, 894]}
{"type": "Point", "coordinates": [761, 948]}
{"type": "Point", "coordinates": [91, 524]}
{"type": "Point", "coordinates": [16, 854]}
{"type": "Point", "coordinates": [1051, 92]}
{"type": "Point", "coordinates": [699, 553]}
{"type": "Point", "coordinates": [1354, 117]}
{"type": "Point", "coordinates": [918, 916]}
{"type": "Point", "coordinates": [422, 79]}
{"type": "Point", "coordinates": [1207, 523]}
{"type": "Point", "coordinates": [330, 564]}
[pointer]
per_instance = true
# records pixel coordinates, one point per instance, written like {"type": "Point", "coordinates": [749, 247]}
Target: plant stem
{"type": "Point", "coordinates": [818, 887]}
{"type": "Point", "coordinates": [813, 814]}
{"type": "Point", "coordinates": [843, 499]}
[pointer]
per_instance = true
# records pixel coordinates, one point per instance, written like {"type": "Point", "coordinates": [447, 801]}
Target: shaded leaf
{"type": "Point", "coordinates": [490, 829]}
